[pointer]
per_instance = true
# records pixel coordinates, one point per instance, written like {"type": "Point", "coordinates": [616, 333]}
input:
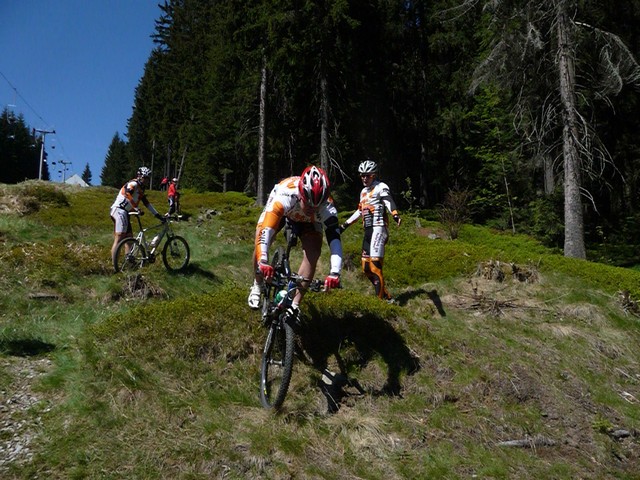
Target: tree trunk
{"type": "Point", "coordinates": [549, 180]}
{"type": "Point", "coordinates": [324, 120]}
{"type": "Point", "coordinates": [573, 217]}
{"type": "Point", "coordinates": [261, 135]}
{"type": "Point", "coordinates": [423, 191]}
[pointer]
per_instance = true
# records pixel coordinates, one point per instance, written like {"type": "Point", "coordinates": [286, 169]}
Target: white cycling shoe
{"type": "Point", "coordinates": [254, 297]}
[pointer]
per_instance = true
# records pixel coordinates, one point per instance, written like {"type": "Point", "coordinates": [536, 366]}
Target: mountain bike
{"type": "Point", "coordinates": [133, 253]}
{"type": "Point", "coordinates": [278, 352]}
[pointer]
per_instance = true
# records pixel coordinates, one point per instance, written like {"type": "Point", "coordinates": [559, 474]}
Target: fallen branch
{"type": "Point", "coordinates": [532, 442]}
{"type": "Point", "coordinates": [618, 434]}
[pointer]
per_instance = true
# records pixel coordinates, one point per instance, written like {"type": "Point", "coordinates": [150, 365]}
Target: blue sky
{"type": "Point", "coordinates": [72, 66]}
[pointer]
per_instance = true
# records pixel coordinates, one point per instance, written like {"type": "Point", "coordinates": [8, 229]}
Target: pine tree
{"type": "Point", "coordinates": [86, 174]}
{"type": "Point", "coordinates": [19, 150]}
{"type": "Point", "coordinates": [116, 170]}
{"type": "Point", "coordinates": [547, 40]}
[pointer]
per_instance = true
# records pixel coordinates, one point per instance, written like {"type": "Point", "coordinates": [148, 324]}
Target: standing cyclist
{"type": "Point", "coordinates": [130, 195]}
{"type": "Point", "coordinates": [305, 201]}
{"type": "Point", "coordinates": [375, 201]}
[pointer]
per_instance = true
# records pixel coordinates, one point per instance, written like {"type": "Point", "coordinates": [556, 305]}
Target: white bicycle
{"type": "Point", "coordinates": [133, 253]}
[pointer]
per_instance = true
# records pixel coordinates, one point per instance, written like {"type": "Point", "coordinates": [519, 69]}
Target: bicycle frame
{"type": "Point", "coordinates": [277, 356]}
{"type": "Point", "coordinates": [164, 229]}
{"type": "Point", "coordinates": [135, 252]}
{"type": "Point", "coordinates": [290, 285]}
{"type": "Point", "coordinates": [284, 278]}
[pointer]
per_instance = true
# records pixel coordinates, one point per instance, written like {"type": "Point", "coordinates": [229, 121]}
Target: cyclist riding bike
{"type": "Point", "coordinates": [306, 203]}
{"type": "Point", "coordinates": [128, 199]}
{"type": "Point", "coordinates": [375, 202]}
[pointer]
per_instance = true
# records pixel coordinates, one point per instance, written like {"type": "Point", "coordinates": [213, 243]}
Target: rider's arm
{"type": "Point", "coordinates": [270, 222]}
{"type": "Point", "coordinates": [147, 204]}
{"type": "Point", "coordinates": [126, 193]}
{"type": "Point", "coordinates": [387, 199]}
{"type": "Point", "coordinates": [389, 203]}
{"type": "Point", "coordinates": [332, 232]}
{"type": "Point", "coordinates": [352, 219]}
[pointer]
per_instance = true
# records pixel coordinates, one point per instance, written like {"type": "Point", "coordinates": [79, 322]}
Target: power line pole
{"type": "Point", "coordinates": [64, 169]}
{"type": "Point", "coordinates": [43, 133]}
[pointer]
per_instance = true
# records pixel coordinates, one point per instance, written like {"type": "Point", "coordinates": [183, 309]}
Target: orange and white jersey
{"type": "Point", "coordinates": [284, 203]}
{"type": "Point", "coordinates": [375, 202]}
{"type": "Point", "coordinates": [130, 196]}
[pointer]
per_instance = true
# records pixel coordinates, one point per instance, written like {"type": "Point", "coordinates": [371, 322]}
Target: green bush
{"type": "Point", "coordinates": [46, 194]}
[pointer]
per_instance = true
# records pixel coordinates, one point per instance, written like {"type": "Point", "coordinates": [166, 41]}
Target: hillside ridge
{"type": "Point", "coordinates": [500, 360]}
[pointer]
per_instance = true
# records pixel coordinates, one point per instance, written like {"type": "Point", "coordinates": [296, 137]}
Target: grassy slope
{"type": "Point", "coordinates": [160, 380]}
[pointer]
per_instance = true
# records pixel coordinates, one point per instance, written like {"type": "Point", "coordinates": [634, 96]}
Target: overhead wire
{"type": "Point", "coordinates": [24, 100]}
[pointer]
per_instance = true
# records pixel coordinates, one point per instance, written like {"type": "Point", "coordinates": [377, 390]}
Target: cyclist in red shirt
{"type": "Point", "coordinates": [172, 196]}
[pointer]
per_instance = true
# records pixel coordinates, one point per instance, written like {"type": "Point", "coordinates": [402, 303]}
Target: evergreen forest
{"type": "Point", "coordinates": [519, 115]}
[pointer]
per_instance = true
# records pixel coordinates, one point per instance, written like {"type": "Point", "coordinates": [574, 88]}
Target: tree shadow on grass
{"type": "Point", "coordinates": [27, 347]}
{"type": "Point", "coordinates": [193, 269]}
{"type": "Point", "coordinates": [354, 340]}
{"type": "Point", "coordinates": [407, 295]}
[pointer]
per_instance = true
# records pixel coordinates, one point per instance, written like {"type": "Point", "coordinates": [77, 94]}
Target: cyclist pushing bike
{"type": "Point", "coordinates": [128, 199]}
{"type": "Point", "coordinates": [306, 203]}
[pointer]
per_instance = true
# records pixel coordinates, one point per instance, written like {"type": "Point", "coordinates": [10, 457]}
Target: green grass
{"type": "Point", "coordinates": [165, 385]}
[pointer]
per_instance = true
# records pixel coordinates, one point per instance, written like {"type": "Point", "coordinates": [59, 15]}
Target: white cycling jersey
{"type": "Point", "coordinates": [130, 196]}
{"type": "Point", "coordinates": [375, 202]}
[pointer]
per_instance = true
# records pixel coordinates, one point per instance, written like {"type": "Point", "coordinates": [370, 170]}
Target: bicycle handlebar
{"type": "Point", "coordinates": [315, 285]}
{"type": "Point", "coordinates": [140, 213]}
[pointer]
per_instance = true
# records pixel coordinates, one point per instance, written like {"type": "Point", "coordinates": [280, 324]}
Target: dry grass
{"type": "Point", "coordinates": [509, 371]}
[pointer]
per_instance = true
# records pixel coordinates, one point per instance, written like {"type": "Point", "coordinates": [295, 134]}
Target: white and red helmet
{"type": "Point", "coordinates": [314, 187]}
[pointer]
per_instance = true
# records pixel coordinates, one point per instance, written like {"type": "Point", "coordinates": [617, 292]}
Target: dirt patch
{"type": "Point", "coordinates": [19, 426]}
{"type": "Point", "coordinates": [432, 233]}
{"type": "Point", "coordinates": [498, 298]}
{"type": "Point", "coordinates": [137, 287]}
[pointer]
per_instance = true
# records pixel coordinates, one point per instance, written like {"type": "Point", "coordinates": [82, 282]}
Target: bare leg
{"type": "Point", "coordinates": [116, 239]}
{"type": "Point", "coordinates": [311, 248]}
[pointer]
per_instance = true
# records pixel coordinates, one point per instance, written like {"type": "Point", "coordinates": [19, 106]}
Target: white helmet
{"type": "Point", "coordinates": [144, 172]}
{"type": "Point", "coordinates": [368, 166]}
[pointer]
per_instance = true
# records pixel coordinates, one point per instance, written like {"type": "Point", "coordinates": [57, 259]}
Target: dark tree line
{"type": "Point", "coordinates": [20, 150]}
{"type": "Point", "coordinates": [344, 81]}
{"type": "Point", "coordinates": [249, 91]}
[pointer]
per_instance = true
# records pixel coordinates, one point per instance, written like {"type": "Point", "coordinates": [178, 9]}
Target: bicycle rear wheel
{"type": "Point", "coordinates": [175, 254]}
{"type": "Point", "coordinates": [277, 365]}
{"type": "Point", "coordinates": [129, 255]}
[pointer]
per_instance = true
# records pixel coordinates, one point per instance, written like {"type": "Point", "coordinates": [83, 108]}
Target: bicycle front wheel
{"type": "Point", "coordinates": [129, 255]}
{"type": "Point", "coordinates": [176, 254]}
{"type": "Point", "coordinates": [278, 261]}
{"type": "Point", "coordinates": [277, 365]}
